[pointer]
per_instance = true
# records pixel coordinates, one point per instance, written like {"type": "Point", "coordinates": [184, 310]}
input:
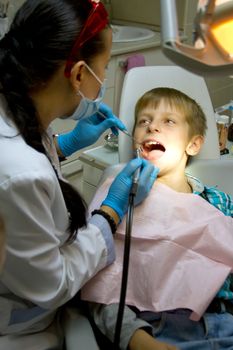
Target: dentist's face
{"type": "Point", "coordinates": [91, 84]}
{"type": "Point", "coordinates": [164, 134]}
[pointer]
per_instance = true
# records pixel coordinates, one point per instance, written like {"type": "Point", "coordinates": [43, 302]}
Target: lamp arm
{"type": "Point", "coordinates": [203, 58]}
{"type": "Point", "coordinates": [203, 19]}
{"type": "Point", "coordinates": [169, 21]}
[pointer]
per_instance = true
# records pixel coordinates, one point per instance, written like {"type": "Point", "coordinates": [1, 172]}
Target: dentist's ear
{"type": "Point", "coordinates": [77, 74]}
{"type": "Point", "coordinates": [195, 145]}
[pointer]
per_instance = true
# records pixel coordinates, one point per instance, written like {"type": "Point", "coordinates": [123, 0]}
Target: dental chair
{"type": "Point", "coordinates": [207, 166]}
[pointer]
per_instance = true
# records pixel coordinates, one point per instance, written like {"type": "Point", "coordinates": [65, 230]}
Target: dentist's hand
{"type": "Point", "coordinates": [88, 130]}
{"type": "Point", "coordinates": [118, 194]}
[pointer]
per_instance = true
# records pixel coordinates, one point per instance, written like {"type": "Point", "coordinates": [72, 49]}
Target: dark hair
{"type": "Point", "coordinates": [39, 41]}
{"type": "Point", "coordinates": [181, 102]}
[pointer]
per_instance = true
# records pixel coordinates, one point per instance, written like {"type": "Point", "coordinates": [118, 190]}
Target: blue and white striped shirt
{"type": "Point", "coordinates": [224, 203]}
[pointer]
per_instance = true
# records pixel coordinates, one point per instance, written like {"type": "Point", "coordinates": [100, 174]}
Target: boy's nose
{"type": "Point", "coordinates": [154, 127]}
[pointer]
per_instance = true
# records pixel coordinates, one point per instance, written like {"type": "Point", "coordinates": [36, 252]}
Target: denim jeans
{"type": "Point", "coordinates": [213, 332]}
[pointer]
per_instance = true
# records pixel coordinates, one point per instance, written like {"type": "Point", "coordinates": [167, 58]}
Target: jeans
{"type": "Point", "coordinates": [213, 332]}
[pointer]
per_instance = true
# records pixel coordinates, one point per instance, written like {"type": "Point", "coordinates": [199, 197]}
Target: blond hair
{"type": "Point", "coordinates": [192, 111]}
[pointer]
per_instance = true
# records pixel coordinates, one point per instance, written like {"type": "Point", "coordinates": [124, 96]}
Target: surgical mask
{"type": "Point", "coordinates": [88, 107]}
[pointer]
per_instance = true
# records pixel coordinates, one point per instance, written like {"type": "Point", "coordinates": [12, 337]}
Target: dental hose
{"type": "Point", "coordinates": [124, 279]}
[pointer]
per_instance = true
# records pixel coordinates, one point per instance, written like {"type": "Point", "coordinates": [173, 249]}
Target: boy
{"type": "Point", "coordinates": [181, 245]}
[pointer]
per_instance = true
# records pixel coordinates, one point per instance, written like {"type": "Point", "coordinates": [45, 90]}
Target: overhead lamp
{"type": "Point", "coordinates": [212, 51]}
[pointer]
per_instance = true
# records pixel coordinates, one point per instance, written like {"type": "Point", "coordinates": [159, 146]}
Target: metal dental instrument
{"type": "Point", "coordinates": [123, 131]}
{"type": "Point", "coordinates": [136, 175]}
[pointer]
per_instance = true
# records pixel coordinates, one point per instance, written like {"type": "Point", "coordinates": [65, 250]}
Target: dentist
{"type": "Point", "coordinates": [52, 65]}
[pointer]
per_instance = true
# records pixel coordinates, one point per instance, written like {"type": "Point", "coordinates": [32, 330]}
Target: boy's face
{"type": "Point", "coordinates": [164, 135]}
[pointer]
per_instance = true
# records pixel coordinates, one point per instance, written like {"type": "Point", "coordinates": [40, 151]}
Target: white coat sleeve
{"type": "Point", "coordinates": [39, 267]}
{"type": "Point", "coordinates": [105, 317]}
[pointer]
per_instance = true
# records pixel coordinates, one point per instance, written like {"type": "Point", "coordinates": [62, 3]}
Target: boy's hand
{"type": "Point", "coordinates": [141, 340]}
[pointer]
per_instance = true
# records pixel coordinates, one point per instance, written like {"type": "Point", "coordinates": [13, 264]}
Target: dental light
{"type": "Point", "coordinates": [212, 51]}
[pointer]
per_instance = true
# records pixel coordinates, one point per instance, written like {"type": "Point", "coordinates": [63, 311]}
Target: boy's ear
{"type": "Point", "coordinates": [195, 145]}
{"type": "Point", "coordinates": [77, 74]}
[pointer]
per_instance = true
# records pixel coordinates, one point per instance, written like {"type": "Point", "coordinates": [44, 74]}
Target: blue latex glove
{"type": "Point", "coordinates": [88, 130]}
{"type": "Point", "coordinates": [118, 194]}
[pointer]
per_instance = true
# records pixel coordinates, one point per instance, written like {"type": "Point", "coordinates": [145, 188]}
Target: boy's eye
{"type": "Point", "coordinates": [169, 121]}
{"type": "Point", "coordinates": [143, 122]}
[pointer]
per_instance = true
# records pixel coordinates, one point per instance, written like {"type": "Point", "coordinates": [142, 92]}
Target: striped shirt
{"type": "Point", "coordinates": [224, 203]}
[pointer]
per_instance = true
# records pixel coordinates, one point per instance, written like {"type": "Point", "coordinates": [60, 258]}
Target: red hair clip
{"type": "Point", "coordinates": [96, 21]}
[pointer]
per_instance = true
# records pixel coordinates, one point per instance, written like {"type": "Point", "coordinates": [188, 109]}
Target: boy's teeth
{"type": "Point", "coordinates": [152, 143]}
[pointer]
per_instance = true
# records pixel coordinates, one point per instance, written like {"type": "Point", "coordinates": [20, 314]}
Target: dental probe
{"type": "Point", "coordinates": [123, 131]}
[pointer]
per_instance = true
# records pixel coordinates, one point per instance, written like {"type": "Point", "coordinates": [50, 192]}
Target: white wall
{"type": "Point", "coordinates": [147, 12]}
{"type": "Point", "coordinates": [143, 11]}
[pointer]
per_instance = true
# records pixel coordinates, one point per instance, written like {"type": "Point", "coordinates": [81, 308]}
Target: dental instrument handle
{"type": "Point", "coordinates": [128, 134]}
{"type": "Point", "coordinates": [123, 131]}
{"type": "Point", "coordinates": [136, 176]}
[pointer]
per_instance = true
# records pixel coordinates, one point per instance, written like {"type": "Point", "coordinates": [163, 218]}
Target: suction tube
{"type": "Point", "coordinates": [124, 279]}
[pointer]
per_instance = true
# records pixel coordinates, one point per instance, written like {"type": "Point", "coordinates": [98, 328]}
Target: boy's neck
{"type": "Point", "coordinates": [179, 184]}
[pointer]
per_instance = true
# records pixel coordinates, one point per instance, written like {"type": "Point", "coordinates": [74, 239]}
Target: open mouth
{"type": "Point", "coordinates": [152, 150]}
{"type": "Point", "coordinates": [149, 146]}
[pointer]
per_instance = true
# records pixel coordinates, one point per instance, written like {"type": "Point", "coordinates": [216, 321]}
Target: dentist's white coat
{"type": "Point", "coordinates": [41, 271]}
